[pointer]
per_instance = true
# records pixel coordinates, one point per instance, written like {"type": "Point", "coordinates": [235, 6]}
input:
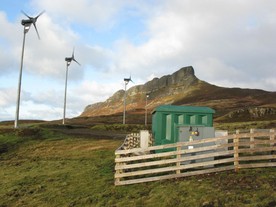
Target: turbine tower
{"type": "Point", "coordinates": [68, 62]}
{"type": "Point", "coordinates": [27, 25]}
{"type": "Point", "coordinates": [127, 80]}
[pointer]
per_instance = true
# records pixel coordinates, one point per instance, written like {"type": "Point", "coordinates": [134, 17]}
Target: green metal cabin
{"type": "Point", "coordinates": [170, 123]}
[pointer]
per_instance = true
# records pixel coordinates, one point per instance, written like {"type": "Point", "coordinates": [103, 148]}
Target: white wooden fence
{"type": "Point", "coordinates": [232, 152]}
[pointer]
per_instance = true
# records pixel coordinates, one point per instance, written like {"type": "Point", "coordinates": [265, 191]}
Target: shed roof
{"type": "Point", "coordinates": [192, 109]}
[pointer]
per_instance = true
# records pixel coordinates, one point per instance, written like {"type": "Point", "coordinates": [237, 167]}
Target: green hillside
{"type": "Point", "coordinates": [53, 165]}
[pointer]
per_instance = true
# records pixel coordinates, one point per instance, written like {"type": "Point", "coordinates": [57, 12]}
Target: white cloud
{"type": "Point", "coordinates": [218, 72]}
{"type": "Point", "coordinates": [95, 13]}
{"type": "Point", "coordinates": [93, 92]}
{"type": "Point", "coordinates": [7, 96]}
{"type": "Point", "coordinates": [30, 110]}
{"type": "Point", "coordinates": [233, 37]}
{"type": "Point", "coordinates": [230, 43]}
{"type": "Point", "coordinates": [8, 38]}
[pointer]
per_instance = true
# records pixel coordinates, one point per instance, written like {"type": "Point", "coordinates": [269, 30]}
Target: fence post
{"type": "Point", "coordinates": [150, 140]}
{"type": "Point", "coordinates": [236, 150]}
{"type": "Point", "coordinates": [252, 146]}
{"type": "Point", "coordinates": [117, 172]}
{"type": "Point", "coordinates": [178, 156]}
{"type": "Point", "coordinates": [272, 137]}
{"type": "Point", "coordinates": [130, 141]}
{"type": "Point", "coordinates": [126, 143]}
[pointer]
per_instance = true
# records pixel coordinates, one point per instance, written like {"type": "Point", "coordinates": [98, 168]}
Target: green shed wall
{"type": "Point", "coordinates": [167, 118]}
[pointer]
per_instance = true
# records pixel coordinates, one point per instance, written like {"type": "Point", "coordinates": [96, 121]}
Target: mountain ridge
{"type": "Point", "coordinates": [184, 88]}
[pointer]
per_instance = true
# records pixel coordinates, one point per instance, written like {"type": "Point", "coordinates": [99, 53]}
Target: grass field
{"type": "Point", "coordinates": [46, 167]}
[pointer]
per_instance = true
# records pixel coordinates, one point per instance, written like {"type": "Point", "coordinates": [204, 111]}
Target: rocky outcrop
{"type": "Point", "coordinates": [162, 91]}
{"type": "Point", "coordinates": [184, 88]}
{"type": "Point", "coordinates": [183, 77]}
{"type": "Point", "coordinates": [253, 113]}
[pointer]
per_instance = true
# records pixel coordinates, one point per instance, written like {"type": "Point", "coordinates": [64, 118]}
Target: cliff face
{"type": "Point", "coordinates": [184, 88]}
{"type": "Point", "coordinates": [183, 78]}
{"type": "Point", "coordinates": [161, 91]}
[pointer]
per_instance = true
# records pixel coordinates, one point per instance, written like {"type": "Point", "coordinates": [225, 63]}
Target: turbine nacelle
{"type": "Point", "coordinates": [127, 80]}
{"type": "Point", "coordinates": [70, 59]}
{"type": "Point", "coordinates": [31, 20]}
{"type": "Point", "coordinates": [26, 22]}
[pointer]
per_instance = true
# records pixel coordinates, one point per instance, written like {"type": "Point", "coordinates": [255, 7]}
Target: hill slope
{"type": "Point", "coordinates": [65, 169]}
{"type": "Point", "coordinates": [184, 88]}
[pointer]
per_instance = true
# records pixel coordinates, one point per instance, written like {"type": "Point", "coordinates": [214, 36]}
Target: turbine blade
{"type": "Point", "coordinates": [36, 30]}
{"type": "Point", "coordinates": [76, 61]}
{"type": "Point", "coordinates": [73, 53]}
{"type": "Point", "coordinates": [26, 14]}
{"type": "Point", "coordinates": [130, 79]}
{"type": "Point", "coordinates": [40, 14]}
{"type": "Point", "coordinates": [73, 56]}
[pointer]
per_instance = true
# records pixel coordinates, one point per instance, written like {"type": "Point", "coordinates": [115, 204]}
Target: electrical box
{"type": "Point", "coordinates": [193, 133]}
{"type": "Point", "coordinates": [167, 120]}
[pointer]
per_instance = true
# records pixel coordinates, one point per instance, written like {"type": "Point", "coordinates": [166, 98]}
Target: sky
{"type": "Point", "coordinates": [229, 43]}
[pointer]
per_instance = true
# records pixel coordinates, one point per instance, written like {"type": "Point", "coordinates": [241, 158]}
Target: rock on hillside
{"type": "Point", "coordinates": [251, 113]}
{"type": "Point", "coordinates": [162, 90]}
{"type": "Point", "coordinates": [184, 88]}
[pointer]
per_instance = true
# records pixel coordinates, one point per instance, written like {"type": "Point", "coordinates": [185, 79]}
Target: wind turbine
{"type": "Point", "coordinates": [68, 62]}
{"type": "Point", "coordinates": [27, 23]}
{"type": "Point", "coordinates": [127, 80]}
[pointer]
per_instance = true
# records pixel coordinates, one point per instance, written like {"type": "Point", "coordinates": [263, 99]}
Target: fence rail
{"type": "Point", "coordinates": [232, 152]}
